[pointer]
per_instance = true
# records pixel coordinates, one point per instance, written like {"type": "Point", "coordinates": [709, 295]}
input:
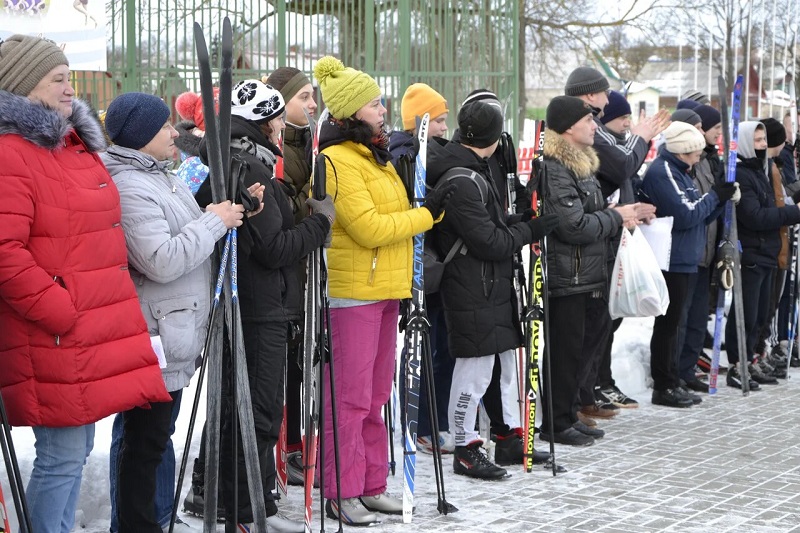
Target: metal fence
{"type": "Point", "coordinates": [455, 46]}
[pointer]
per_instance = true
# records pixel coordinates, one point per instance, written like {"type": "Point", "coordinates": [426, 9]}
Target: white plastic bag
{"type": "Point", "coordinates": [637, 284]}
{"type": "Point", "coordinates": [659, 236]}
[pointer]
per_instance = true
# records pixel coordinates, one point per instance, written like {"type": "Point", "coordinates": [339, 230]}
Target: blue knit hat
{"type": "Point", "coordinates": [133, 119]}
{"type": "Point", "coordinates": [616, 107]}
{"type": "Point", "coordinates": [687, 104]}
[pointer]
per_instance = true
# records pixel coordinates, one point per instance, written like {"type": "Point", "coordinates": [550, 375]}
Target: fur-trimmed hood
{"type": "Point", "coordinates": [186, 141]}
{"type": "Point", "coordinates": [583, 163]}
{"type": "Point", "coordinates": [46, 127]}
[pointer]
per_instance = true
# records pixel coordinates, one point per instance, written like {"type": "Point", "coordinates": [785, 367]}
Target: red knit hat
{"type": "Point", "coordinates": [190, 107]}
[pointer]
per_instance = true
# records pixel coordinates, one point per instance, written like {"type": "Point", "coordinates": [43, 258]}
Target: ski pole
{"type": "Point", "coordinates": [12, 469]}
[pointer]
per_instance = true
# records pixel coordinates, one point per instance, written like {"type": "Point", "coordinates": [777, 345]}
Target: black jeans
{"type": "Point", "coordinates": [265, 349]}
{"type": "Point", "coordinates": [756, 289]}
{"type": "Point", "coordinates": [666, 328]}
{"type": "Point", "coordinates": [597, 333]}
{"type": "Point", "coordinates": [694, 324]}
{"type": "Point", "coordinates": [145, 436]}
{"type": "Point", "coordinates": [569, 351]}
{"type": "Point", "coordinates": [604, 377]}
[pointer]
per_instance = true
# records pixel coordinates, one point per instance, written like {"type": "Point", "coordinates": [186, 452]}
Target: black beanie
{"type": "Point", "coordinates": [480, 123]}
{"type": "Point", "coordinates": [585, 80]}
{"type": "Point", "coordinates": [776, 133]}
{"type": "Point", "coordinates": [709, 115]}
{"type": "Point", "coordinates": [686, 115]}
{"type": "Point", "coordinates": [564, 111]}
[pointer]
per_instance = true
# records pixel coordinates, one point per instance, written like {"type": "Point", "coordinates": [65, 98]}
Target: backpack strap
{"type": "Point", "coordinates": [463, 172]}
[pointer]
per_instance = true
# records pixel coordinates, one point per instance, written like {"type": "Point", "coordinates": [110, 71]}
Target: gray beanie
{"type": "Point", "coordinates": [25, 61]}
{"type": "Point", "coordinates": [585, 80]}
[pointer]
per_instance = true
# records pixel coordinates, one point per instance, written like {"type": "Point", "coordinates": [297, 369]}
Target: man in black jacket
{"type": "Point", "coordinates": [476, 287]}
{"type": "Point", "coordinates": [759, 220]}
{"type": "Point", "coordinates": [619, 163]}
{"type": "Point", "coordinates": [576, 257]}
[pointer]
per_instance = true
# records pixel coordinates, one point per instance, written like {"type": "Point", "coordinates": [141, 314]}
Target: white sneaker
{"type": "Point", "coordinates": [181, 527]}
{"type": "Point", "coordinates": [382, 503]}
{"type": "Point", "coordinates": [353, 512]}
{"type": "Point", "coordinates": [281, 524]}
{"type": "Point", "coordinates": [446, 443]}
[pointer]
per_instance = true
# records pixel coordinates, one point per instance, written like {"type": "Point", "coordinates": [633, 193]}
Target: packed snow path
{"type": "Point", "coordinates": [729, 464]}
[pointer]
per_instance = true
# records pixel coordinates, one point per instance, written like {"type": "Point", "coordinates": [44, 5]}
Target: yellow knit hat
{"type": "Point", "coordinates": [345, 90]}
{"type": "Point", "coordinates": [420, 98]}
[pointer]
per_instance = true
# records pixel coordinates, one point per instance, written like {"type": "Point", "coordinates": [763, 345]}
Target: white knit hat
{"type": "Point", "coordinates": [681, 138]}
{"type": "Point", "coordinates": [256, 101]}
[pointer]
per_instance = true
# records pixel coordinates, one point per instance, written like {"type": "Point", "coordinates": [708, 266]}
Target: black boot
{"type": "Point", "coordinates": [471, 461]}
{"type": "Point", "coordinates": [195, 499]}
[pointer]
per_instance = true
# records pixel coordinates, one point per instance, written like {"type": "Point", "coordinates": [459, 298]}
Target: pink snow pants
{"type": "Point", "coordinates": [364, 346]}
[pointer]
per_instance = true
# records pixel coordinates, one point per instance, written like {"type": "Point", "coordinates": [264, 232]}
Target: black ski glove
{"type": "Point", "coordinates": [542, 226]}
{"type": "Point", "coordinates": [725, 191]}
{"type": "Point", "coordinates": [436, 200]}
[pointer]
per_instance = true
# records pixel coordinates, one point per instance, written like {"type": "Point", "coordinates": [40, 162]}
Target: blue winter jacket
{"type": "Point", "coordinates": [668, 186]}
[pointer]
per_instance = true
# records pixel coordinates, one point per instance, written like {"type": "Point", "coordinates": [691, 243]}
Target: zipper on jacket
{"type": "Point", "coordinates": [55, 280]}
{"type": "Point", "coordinates": [575, 280]}
{"type": "Point", "coordinates": [483, 279]}
{"type": "Point", "coordinates": [371, 278]}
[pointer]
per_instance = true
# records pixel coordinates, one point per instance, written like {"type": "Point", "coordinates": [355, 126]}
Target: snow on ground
{"type": "Point", "coordinates": [630, 366]}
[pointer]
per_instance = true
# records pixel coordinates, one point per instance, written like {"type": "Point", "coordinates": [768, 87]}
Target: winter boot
{"type": "Point", "coordinates": [195, 499]}
{"type": "Point", "coordinates": [353, 512]}
{"type": "Point", "coordinates": [294, 468]}
{"type": "Point", "coordinates": [382, 503]}
{"type": "Point", "coordinates": [471, 460]}
{"type": "Point", "coordinates": [759, 376]}
{"type": "Point", "coordinates": [281, 524]}
{"type": "Point", "coordinates": [734, 379]}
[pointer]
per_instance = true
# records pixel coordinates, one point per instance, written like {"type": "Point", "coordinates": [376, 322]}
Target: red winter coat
{"type": "Point", "coordinates": [74, 346]}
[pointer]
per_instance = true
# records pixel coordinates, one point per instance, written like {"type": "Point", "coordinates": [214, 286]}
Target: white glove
{"type": "Point", "coordinates": [736, 195]}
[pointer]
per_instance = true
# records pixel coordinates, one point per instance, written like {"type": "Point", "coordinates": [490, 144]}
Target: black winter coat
{"type": "Point", "coordinates": [758, 218]}
{"type": "Point", "coordinates": [619, 162]}
{"type": "Point", "coordinates": [477, 291]}
{"type": "Point", "coordinates": [269, 289]}
{"type": "Point", "coordinates": [577, 250]}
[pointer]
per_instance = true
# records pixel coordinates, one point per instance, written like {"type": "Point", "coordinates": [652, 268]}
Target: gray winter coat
{"type": "Point", "coordinates": [170, 242]}
{"type": "Point", "coordinates": [704, 179]}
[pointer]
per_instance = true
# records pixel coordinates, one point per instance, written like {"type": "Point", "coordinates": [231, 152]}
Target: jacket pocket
{"type": "Point", "coordinates": [176, 319]}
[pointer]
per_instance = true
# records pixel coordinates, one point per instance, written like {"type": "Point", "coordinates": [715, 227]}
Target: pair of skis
{"type": "Point", "coordinates": [537, 329]}
{"type": "Point", "coordinates": [729, 246]}
{"type": "Point", "coordinates": [317, 350]}
{"type": "Point", "coordinates": [224, 186]}
{"type": "Point", "coordinates": [418, 352]}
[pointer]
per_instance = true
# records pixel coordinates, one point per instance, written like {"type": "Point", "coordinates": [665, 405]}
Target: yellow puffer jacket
{"type": "Point", "coordinates": [370, 257]}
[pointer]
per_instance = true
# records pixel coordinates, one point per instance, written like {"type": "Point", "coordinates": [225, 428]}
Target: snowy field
{"type": "Point", "coordinates": [484, 503]}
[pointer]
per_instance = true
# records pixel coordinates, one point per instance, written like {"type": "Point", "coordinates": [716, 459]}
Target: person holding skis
{"type": "Point", "coordinates": [369, 269]}
{"type": "Point", "coordinates": [419, 99]}
{"type": "Point", "coordinates": [577, 254]}
{"type": "Point", "coordinates": [476, 286]}
{"type": "Point", "coordinates": [170, 242]}
{"type": "Point", "coordinates": [705, 174]}
{"type": "Point", "coordinates": [507, 438]}
{"type": "Point", "coordinates": [75, 347]}
{"type": "Point", "coordinates": [758, 220]}
{"type": "Point", "coordinates": [668, 185]}
{"type": "Point", "coordinates": [298, 93]}
{"type": "Point", "coordinates": [270, 247]}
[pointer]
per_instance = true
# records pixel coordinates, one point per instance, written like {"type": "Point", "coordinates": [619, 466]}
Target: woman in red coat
{"type": "Point", "coordinates": [74, 347]}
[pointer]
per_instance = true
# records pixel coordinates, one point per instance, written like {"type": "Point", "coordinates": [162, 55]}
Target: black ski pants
{"type": "Point", "coordinates": [756, 289]}
{"type": "Point", "coordinates": [666, 330]}
{"type": "Point", "coordinates": [265, 349]}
